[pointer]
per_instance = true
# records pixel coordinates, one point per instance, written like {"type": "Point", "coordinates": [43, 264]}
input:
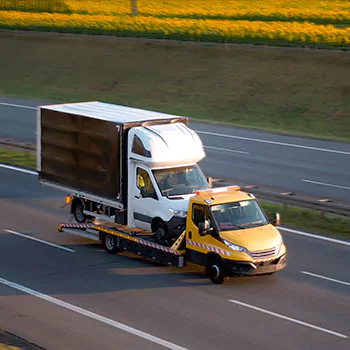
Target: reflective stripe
{"type": "Point", "coordinates": [77, 225]}
{"type": "Point", "coordinates": [156, 246]}
{"type": "Point", "coordinates": [210, 248]}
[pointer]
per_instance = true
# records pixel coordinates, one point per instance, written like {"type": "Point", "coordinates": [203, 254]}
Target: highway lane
{"type": "Point", "coordinates": [308, 166]}
{"type": "Point", "coordinates": [177, 305]}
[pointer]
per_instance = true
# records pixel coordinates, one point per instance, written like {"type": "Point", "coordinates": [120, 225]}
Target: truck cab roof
{"type": "Point", "coordinates": [221, 195]}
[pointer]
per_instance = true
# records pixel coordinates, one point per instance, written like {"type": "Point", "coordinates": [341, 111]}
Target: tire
{"type": "Point", "coordinates": [215, 271]}
{"type": "Point", "coordinates": [78, 213]}
{"type": "Point", "coordinates": [109, 244]}
{"type": "Point", "coordinates": [161, 234]}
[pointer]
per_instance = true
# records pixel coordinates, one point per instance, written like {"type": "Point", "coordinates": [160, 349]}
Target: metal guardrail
{"type": "Point", "coordinates": [323, 205]}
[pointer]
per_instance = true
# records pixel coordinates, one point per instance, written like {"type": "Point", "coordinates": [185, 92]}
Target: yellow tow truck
{"type": "Point", "coordinates": [227, 232]}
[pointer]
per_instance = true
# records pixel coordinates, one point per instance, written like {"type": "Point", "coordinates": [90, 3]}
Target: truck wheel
{"type": "Point", "coordinates": [215, 271]}
{"type": "Point", "coordinates": [79, 215]}
{"type": "Point", "coordinates": [161, 234]}
{"type": "Point", "coordinates": [109, 244]}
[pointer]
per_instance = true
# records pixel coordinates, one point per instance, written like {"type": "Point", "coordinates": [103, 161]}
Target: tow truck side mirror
{"type": "Point", "coordinates": [277, 220]}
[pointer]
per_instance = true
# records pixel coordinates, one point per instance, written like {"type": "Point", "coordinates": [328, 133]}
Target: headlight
{"type": "Point", "coordinates": [232, 246]}
{"type": "Point", "coordinates": [179, 213]}
{"type": "Point", "coordinates": [279, 246]}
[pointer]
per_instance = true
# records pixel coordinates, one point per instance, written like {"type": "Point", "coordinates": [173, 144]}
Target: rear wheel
{"type": "Point", "coordinates": [215, 271]}
{"type": "Point", "coordinates": [78, 213]}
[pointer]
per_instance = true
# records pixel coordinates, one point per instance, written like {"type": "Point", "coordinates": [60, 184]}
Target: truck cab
{"type": "Point", "coordinates": [162, 175]}
{"type": "Point", "coordinates": [229, 234]}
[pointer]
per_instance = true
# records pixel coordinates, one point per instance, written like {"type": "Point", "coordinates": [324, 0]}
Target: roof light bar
{"type": "Point", "coordinates": [217, 190]}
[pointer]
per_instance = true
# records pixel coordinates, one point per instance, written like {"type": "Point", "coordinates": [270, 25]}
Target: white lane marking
{"type": "Point", "coordinates": [274, 142]}
{"type": "Point", "coordinates": [325, 184]}
{"type": "Point", "coordinates": [39, 240]}
{"type": "Point", "coordinates": [92, 315]}
{"type": "Point", "coordinates": [325, 278]}
{"type": "Point", "coordinates": [226, 150]}
{"type": "Point", "coordinates": [312, 235]}
{"type": "Point", "coordinates": [289, 319]}
{"type": "Point", "coordinates": [21, 170]}
{"type": "Point", "coordinates": [18, 106]}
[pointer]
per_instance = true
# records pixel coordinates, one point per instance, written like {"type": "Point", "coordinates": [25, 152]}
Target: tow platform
{"type": "Point", "coordinates": [119, 238]}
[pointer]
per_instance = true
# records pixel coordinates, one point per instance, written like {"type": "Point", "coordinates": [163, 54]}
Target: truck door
{"type": "Point", "coordinates": [144, 199]}
{"type": "Point", "coordinates": [195, 246]}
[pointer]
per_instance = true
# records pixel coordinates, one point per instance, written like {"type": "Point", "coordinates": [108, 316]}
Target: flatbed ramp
{"type": "Point", "coordinates": [118, 238]}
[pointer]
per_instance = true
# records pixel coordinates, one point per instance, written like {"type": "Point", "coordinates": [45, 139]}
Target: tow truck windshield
{"type": "Point", "coordinates": [180, 181]}
{"type": "Point", "coordinates": [238, 215]}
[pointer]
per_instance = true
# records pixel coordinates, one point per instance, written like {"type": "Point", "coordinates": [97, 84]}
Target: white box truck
{"type": "Point", "coordinates": [125, 165]}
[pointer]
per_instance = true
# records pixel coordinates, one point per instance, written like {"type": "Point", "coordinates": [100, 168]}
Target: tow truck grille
{"type": "Point", "coordinates": [259, 254]}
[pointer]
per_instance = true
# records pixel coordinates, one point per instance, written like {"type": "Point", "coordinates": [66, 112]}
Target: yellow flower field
{"type": "Point", "coordinates": [327, 11]}
{"type": "Point", "coordinates": [190, 29]}
{"type": "Point", "coordinates": [318, 11]}
{"type": "Point", "coordinates": [291, 22]}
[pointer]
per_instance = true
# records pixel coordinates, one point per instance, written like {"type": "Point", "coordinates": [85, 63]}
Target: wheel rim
{"type": "Point", "coordinates": [215, 271]}
{"type": "Point", "coordinates": [79, 212]}
{"type": "Point", "coordinates": [160, 235]}
{"type": "Point", "coordinates": [109, 242]}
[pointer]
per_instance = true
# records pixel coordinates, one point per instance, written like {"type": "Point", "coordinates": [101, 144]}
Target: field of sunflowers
{"type": "Point", "coordinates": [312, 23]}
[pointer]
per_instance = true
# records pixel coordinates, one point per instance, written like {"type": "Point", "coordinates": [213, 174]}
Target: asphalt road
{"type": "Point", "coordinates": [180, 307]}
{"type": "Point", "coordinates": [301, 165]}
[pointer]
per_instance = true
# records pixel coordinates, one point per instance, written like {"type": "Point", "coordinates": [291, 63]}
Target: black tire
{"type": "Point", "coordinates": [215, 271]}
{"type": "Point", "coordinates": [78, 213]}
{"type": "Point", "coordinates": [109, 244]}
{"type": "Point", "coordinates": [161, 234]}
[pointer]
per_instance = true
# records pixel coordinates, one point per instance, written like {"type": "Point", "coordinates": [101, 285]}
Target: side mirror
{"type": "Point", "coordinates": [210, 181]}
{"type": "Point", "coordinates": [277, 221]}
{"type": "Point", "coordinates": [202, 229]}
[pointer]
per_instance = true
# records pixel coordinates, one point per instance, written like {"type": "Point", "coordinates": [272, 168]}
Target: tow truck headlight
{"type": "Point", "coordinates": [179, 213]}
{"type": "Point", "coordinates": [235, 247]}
{"type": "Point", "coordinates": [279, 246]}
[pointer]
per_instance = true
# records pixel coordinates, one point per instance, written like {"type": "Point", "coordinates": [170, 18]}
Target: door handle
{"type": "Point", "coordinates": [137, 197]}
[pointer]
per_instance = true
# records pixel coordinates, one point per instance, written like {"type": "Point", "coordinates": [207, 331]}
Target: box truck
{"type": "Point", "coordinates": [120, 164]}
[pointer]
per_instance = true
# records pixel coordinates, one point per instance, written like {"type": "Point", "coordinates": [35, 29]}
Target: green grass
{"type": "Point", "coordinates": [302, 219]}
{"type": "Point", "coordinates": [309, 220]}
{"type": "Point", "coordinates": [303, 92]}
{"type": "Point", "coordinates": [19, 158]}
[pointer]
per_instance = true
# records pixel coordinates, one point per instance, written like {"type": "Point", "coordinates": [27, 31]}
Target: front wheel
{"type": "Point", "coordinates": [79, 215]}
{"type": "Point", "coordinates": [161, 234]}
{"type": "Point", "coordinates": [215, 271]}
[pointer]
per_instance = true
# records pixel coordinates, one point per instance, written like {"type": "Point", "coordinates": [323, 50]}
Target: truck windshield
{"type": "Point", "coordinates": [180, 181]}
{"type": "Point", "coordinates": [238, 215]}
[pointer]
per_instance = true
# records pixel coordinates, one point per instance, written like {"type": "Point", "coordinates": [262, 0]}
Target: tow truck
{"type": "Point", "coordinates": [226, 232]}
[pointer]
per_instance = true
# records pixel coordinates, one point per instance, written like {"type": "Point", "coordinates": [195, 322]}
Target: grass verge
{"type": "Point", "coordinates": [303, 219]}
{"type": "Point", "coordinates": [20, 158]}
{"type": "Point", "coordinates": [302, 92]}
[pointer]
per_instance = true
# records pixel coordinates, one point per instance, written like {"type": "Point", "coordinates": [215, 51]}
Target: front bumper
{"type": "Point", "coordinates": [241, 268]}
{"type": "Point", "coordinates": [176, 225]}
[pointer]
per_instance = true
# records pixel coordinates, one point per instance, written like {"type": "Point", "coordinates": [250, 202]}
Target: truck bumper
{"type": "Point", "coordinates": [176, 225]}
{"type": "Point", "coordinates": [245, 268]}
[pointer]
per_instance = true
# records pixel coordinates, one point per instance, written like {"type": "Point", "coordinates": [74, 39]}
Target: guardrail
{"type": "Point", "coordinates": [324, 205]}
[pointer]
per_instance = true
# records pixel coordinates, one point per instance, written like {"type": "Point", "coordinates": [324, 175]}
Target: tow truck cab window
{"type": "Point", "coordinates": [200, 214]}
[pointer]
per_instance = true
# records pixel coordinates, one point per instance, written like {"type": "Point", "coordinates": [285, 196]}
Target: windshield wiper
{"type": "Point", "coordinates": [252, 224]}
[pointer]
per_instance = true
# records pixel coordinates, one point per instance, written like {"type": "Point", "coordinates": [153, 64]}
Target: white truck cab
{"type": "Point", "coordinates": [163, 173]}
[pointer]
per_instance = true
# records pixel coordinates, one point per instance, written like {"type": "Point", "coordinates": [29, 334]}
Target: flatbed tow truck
{"type": "Point", "coordinates": [226, 232]}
